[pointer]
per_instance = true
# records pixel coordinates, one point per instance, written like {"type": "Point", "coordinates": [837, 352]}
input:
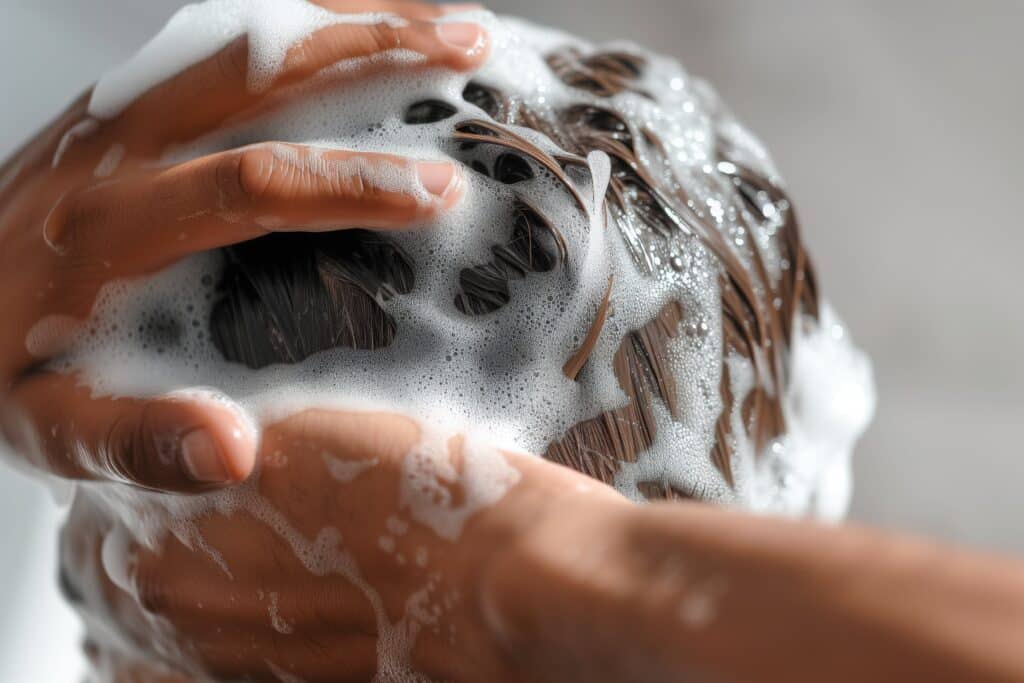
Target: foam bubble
{"type": "Point", "coordinates": [280, 624]}
{"type": "Point", "coordinates": [110, 161]}
{"type": "Point", "coordinates": [345, 471]}
{"type": "Point", "coordinates": [430, 473]}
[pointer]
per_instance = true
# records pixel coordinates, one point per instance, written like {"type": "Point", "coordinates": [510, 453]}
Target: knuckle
{"type": "Point", "coordinates": [384, 36]}
{"type": "Point", "coordinates": [65, 223]}
{"type": "Point", "coordinates": [124, 450]}
{"type": "Point", "coordinates": [232, 62]}
{"type": "Point", "coordinates": [245, 178]}
{"type": "Point", "coordinates": [361, 185]}
{"type": "Point", "coordinates": [151, 591]}
{"type": "Point", "coordinates": [77, 224]}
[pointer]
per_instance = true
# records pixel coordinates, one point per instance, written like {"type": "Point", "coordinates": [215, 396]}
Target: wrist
{"type": "Point", "coordinates": [552, 599]}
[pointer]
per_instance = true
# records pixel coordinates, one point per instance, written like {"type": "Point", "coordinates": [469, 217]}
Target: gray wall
{"type": "Point", "coordinates": [896, 125]}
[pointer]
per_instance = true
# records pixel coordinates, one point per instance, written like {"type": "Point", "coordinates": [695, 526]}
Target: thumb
{"type": "Point", "coordinates": [186, 442]}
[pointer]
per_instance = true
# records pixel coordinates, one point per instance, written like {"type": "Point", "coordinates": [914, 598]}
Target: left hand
{"type": "Point", "coordinates": [90, 201]}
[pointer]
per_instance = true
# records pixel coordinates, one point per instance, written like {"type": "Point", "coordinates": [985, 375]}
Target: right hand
{"type": "Point", "coordinates": [65, 233]}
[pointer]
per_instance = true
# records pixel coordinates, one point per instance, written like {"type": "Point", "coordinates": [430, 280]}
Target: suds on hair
{"type": "Point", "coordinates": [287, 297]}
{"type": "Point", "coordinates": [623, 286]}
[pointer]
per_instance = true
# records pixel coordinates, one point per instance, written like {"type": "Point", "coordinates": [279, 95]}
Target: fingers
{"type": "Point", "coordinates": [207, 94]}
{"type": "Point", "coordinates": [147, 221]}
{"type": "Point", "coordinates": [356, 436]}
{"type": "Point", "coordinates": [184, 443]}
{"type": "Point", "coordinates": [458, 46]}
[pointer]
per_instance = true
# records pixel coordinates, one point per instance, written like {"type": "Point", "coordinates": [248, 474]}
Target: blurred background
{"type": "Point", "coordinates": [896, 126]}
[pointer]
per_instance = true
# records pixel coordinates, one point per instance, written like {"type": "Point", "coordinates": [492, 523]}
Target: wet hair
{"type": "Point", "coordinates": [288, 296]}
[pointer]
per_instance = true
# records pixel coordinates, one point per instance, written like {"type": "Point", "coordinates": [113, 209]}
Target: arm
{"type": "Point", "coordinates": [663, 592]}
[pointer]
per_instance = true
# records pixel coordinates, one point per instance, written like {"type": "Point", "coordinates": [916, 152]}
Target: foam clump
{"type": "Point", "coordinates": [199, 31]}
{"type": "Point", "coordinates": [502, 374]}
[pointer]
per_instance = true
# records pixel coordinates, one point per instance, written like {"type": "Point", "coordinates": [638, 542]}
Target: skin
{"type": "Point", "coordinates": [66, 231]}
{"type": "Point", "coordinates": [332, 623]}
{"type": "Point", "coordinates": [561, 579]}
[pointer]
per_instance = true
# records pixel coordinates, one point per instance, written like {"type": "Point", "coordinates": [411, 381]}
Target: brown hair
{"type": "Point", "coordinates": [285, 297]}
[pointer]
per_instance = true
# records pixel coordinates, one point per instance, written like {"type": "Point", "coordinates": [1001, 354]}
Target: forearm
{"type": "Point", "coordinates": [689, 592]}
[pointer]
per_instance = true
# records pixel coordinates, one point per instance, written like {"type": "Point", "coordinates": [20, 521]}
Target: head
{"type": "Point", "coordinates": [624, 290]}
{"type": "Point", "coordinates": [284, 298]}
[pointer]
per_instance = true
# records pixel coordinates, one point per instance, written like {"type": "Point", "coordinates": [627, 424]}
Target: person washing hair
{"type": "Point", "coordinates": [367, 543]}
{"type": "Point", "coordinates": [624, 287]}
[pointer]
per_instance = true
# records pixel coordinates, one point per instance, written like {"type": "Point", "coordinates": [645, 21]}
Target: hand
{"type": "Point", "coordinates": [88, 202]}
{"type": "Point", "coordinates": [325, 571]}
{"type": "Point", "coordinates": [364, 548]}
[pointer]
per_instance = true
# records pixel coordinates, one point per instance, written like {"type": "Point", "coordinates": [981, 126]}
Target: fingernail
{"type": "Point", "coordinates": [461, 36]}
{"type": "Point", "coordinates": [438, 178]}
{"type": "Point", "coordinates": [202, 459]}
